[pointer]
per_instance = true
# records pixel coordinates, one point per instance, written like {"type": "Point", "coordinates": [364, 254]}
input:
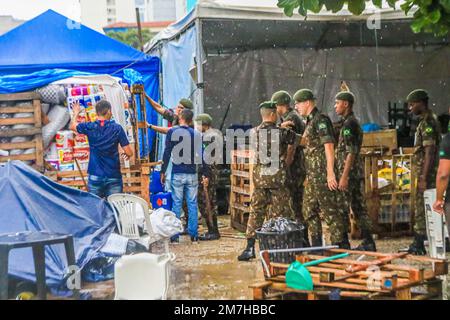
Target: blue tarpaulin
{"type": "Point", "coordinates": [52, 41]}
{"type": "Point", "coordinates": [32, 202]}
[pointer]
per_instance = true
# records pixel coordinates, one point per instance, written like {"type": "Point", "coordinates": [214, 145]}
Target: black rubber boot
{"type": "Point", "coordinates": [316, 241]}
{"type": "Point", "coordinates": [417, 248]}
{"type": "Point", "coordinates": [447, 245]}
{"type": "Point", "coordinates": [249, 252]}
{"type": "Point", "coordinates": [344, 244]}
{"type": "Point", "coordinates": [368, 244]}
{"type": "Point", "coordinates": [213, 232]}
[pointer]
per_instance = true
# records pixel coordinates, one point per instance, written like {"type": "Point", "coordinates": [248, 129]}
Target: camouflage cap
{"type": "Point", "coordinates": [282, 98]}
{"type": "Point", "coordinates": [304, 95]}
{"type": "Point", "coordinates": [204, 118]}
{"type": "Point", "coordinates": [346, 96]}
{"type": "Point", "coordinates": [187, 104]}
{"type": "Point", "coordinates": [417, 95]}
{"type": "Point", "coordinates": [267, 105]}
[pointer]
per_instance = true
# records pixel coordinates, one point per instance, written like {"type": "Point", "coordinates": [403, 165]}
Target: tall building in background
{"type": "Point", "coordinates": [100, 13]}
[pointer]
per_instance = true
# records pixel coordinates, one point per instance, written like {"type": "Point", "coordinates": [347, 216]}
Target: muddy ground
{"type": "Point", "coordinates": [210, 270]}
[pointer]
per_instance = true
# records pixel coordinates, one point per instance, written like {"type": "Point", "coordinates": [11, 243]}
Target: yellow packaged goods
{"type": "Point", "coordinates": [65, 156]}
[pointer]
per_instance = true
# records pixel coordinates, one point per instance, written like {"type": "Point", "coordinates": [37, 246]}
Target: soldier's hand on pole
{"type": "Point", "coordinates": [205, 182]}
{"type": "Point", "coordinates": [438, 206]}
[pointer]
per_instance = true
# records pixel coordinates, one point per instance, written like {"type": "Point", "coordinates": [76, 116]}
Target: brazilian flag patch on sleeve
{"type": "Point", "coordinates": [322, 125]}
{"type": "Point", "coordinates": [441, 153]}
{"type": "Point", "coordinates": [429, 130]}
{"type": "Point", "coordinates": [347, 132]}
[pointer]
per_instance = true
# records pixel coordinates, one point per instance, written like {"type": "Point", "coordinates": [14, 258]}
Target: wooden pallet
{"type": "Point", "coordinates": [377, 276]}
{"type": "Point", "coordinates": [36, 132]}
{"type": "Point", "coordinates": [381, 201]}
{"type": "Point", "coordinates": [241, 188]}
{"type": "Point", "coordinates": [136, 180]}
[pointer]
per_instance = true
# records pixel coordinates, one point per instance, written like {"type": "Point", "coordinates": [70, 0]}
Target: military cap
{"type": "Point", "coordinates": [187, 104]}
{"type": "Point", "coordinates": [204, 118]}
{"type": "Point", "coordinates": [281, 98]}
{"type": "Point", "coordinates": [417, 95]}
{"type": "Point", "coordinates": [304, 95]}
{"type": "Point", "coordinates": [346, 96]}
{"type": "Point", "coordinates": [268, 105]}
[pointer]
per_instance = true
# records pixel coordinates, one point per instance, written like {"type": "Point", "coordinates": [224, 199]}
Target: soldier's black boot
{"type": "Point", "coordinates": [213, 232]}
{"type": "Point", "coordinates": [417, 248]}
{"type": "Point", "coordinates": [368, 244]}
{"type": "Point", "coordinates": [447, 245]}
{"type": "Point", "coordinates": [316, 241]}
{"type": "Point", "coordinates": [249, 252]}
{"type": "Point", "coordinates": [344, 244]}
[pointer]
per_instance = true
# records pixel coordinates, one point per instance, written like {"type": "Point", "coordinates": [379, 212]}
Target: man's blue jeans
{"type": "Point", "coordinates": [104, 187]}
{"type": "Point", "coordinates": [186, 185]}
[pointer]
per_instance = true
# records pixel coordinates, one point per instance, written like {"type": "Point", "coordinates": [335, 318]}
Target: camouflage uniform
{"type": "Point", "coordinates": [350, 142]}
{"type": "Point", "coordinates": [296, 172]}
{"type": "Point", "coordinates": [428, 133]}
{"type": "Point", "coordinates": [208, 138]}
{"type": "Point", "coordinates": [269, 198]}
{"type": "Point", "coordinates": [318, 198]}
{"type": "Point", "coordinates": [170, 116]}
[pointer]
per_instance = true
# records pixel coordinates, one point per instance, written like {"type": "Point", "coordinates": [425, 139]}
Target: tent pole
{"type": "Point", "coordinates": [200, 59]}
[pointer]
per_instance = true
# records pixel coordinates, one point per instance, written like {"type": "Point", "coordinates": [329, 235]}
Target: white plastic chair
{"type": "Point", "coordinates": [125, 208]}
{"type": "Point", "coordinates": [142, 276]}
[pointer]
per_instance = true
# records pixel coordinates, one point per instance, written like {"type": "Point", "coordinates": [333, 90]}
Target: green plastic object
{"type": "Point", "coordinates": [299, 278]}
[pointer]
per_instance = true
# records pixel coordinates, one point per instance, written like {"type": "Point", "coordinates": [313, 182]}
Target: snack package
{"type": "Point", "coordinates": [65, 156]}
{"type": "Point", "coordinates": [65, 140]}
{"type": "Point", "coordinates": [81, 154]}
{"type": "Point", "coordinates": [81, 140]}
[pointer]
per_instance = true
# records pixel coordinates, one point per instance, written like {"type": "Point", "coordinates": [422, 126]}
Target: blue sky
{"type": "Point", "coordinates": [27, 9]}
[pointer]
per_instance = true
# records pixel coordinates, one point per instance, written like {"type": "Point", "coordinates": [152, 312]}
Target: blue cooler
{"type": "Point", "coordinates": [155, 183]}
{"type": "Point", "coordinates": [161, 200]}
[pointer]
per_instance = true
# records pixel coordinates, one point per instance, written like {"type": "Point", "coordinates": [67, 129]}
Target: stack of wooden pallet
{"type": "Point", "coordinates": [22, 104]}
{"type": "Point", "coordinates": [391, 207]}
{"type": "Point", "coordinates": [362, 275]}
{"type": "Point", "coordinates": [241, 188]}
{"type": "Point", "coordinates": [136, 180]}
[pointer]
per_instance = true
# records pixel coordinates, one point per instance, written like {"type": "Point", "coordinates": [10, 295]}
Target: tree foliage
{"type": "Point", "coordinates": [431, 16]}
{"type": "Point", "coordinates": [131, 37]}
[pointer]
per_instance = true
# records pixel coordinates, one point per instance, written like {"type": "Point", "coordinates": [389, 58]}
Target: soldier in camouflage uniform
{"type": "Point", "coordinates": [426, 149]}
{"type": "Point", "coordinates": [207, 190]}
{"type": "Point", "coordinates": [290, 119]}
{"type": "Point", "coordinates": [321, 191]}
{"type": "Point", "coordinates": [270, 195]}
{"type": "Point", "coordinates": [350, 170]}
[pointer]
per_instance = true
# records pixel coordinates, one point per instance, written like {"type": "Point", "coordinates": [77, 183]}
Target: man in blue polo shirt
{"type": "Point", "coordinates": [184, 147]}
{"type": "Point", "coordinates": [105, 136]}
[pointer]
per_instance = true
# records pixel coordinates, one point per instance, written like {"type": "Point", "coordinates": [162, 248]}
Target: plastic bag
{"type": "Point", "coordinates": [53, 94]}
{"type": "Point", "coordinates": [281, 225]}
{"type": "Point", "coordinates": [58, 116]}
{"type": "Point", "coordinates": [165, 223]}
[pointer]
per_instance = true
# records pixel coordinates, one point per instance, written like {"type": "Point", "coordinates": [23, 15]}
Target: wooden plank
{"type": "Point", "coordinates": [127, 189]}
{"type": "Point", "coordinates": [241, 207]}
{"type": "Point", "coordinates": [132, 180]}
{"type": "Point", "coordinates": [39, 151]}
{"type": "Point", "coordinates": [145, 184]}
{"type": "Point", "coordinates": [242, 174]}
{"type": "Point", "coordinates": [11, 110]}
{"type": "Point", "coordinates": [37, 113]}
{"type": "Point", "coordinates": [11, 133]}
{"type": "Point", "coordinates": [18, 145]}
{"type": "Point", "coordinates": [241, 190]}
{"type": "Point", "coordinates": [22, 157]}
{"type": "Point", "coordinates": [24, 96]}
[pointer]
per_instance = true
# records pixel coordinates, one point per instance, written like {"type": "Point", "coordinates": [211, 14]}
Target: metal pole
{"type": "Point", "coordinates": [200, 59]}
{"type": "Point", "coordinates": [138, 19]}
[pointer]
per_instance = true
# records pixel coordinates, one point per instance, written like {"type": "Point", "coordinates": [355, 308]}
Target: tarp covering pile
{"type": "Point", "coordinates": [30, 201]}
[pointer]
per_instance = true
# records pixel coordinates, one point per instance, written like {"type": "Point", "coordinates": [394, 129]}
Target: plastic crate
{"type": "Point", "coordinates": [274, 241]}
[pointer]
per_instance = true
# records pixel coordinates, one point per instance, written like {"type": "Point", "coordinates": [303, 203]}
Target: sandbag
{"type": "Point", "coordinates": [53, 94]}
{"type": "Point", "coordinates": [59, 116]}
{"type": "Point", "coordinates": [45, 107]}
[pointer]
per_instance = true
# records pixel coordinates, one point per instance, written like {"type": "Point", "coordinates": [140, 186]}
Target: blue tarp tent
{"type": "Point", "coordinates": [32, 202]}
{"type": "Point", "coordinates": [51, 47]}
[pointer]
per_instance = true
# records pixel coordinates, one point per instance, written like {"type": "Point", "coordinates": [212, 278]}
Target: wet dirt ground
{"type": "Point", "coordinates": [210, 270]}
